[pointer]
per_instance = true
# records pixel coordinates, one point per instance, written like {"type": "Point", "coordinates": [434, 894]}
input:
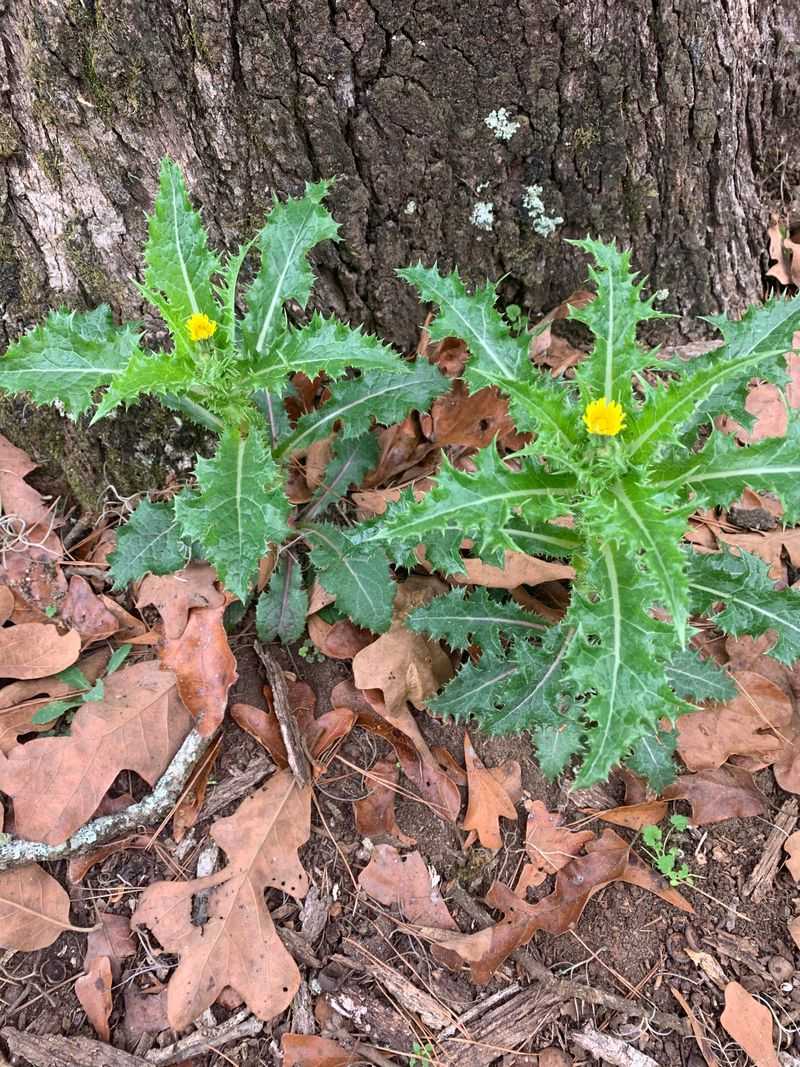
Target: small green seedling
{"type": "Point", "coordinates": [666, 859]}
{"type": "Point", "coordinates": [421, 1055]}
{"type": "Point", "coordinates": [85, 690]}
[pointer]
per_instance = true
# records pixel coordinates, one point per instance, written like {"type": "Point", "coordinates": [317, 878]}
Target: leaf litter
{"type": "Point", "coordinates": [220, 946]}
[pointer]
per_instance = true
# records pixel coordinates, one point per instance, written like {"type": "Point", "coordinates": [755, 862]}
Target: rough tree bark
{"type": "Point", "coordinates": [668, 124]}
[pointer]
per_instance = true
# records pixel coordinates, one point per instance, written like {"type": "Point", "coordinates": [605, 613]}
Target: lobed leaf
{"type": "Point", "coordinates": [149, 374]}
{"type": "Point", "coordinates": [752, 604]}
{"type": "Point", "coordinates": [496, 354]}
{"type": "Point", "coordinates": [240, 510]}
{"type": "Point", "coordinates": [150, 542]}
{"type": "Point", "coordinates": [180, 264]}
{"type": "Point", "coordinates": [652, 758]}
{"type": "Point", "coordinates": [65, 358]}
{"type": "Point", "coordinates": [695, 678]}
{"type": "Point", "coordinates": [463, 620]}
{"type": "Point", "coordinates": [375, 395]}
{"type": "Point", "coordinates": [329, 346]}
{"type": "Point", "coordinates": [357, 575]}
{"type": "Point", "coordinates": [613, 317]}
{"type": "Point", "coordinates": [293, 228]}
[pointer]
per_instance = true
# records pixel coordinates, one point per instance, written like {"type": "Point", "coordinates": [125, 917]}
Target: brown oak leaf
{"type": "Point", "coordinates": [36, 650]}
{"type": "Point", "coordinates": [204, 666]}
{"type": "Point", "coordinates": [403, 880]}
{"type": "Point", "coordinates": [174, 595]}
{"type": "Point", "coordinates": [488, 800]}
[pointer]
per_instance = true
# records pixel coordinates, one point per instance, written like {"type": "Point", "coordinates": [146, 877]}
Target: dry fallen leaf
{"type": "Point", "coordinates": [751, 724]}
{"type": "Point", "coordinates": [187, 809]}
{"type": "Point", "coordinates": [93, 990]}
{"type": "Point", "coordinates": [518, 569]}
{"type": "Point", "coordinates": [785, 253]}
{"type": "Point", "coordinates": [204, 666]}
{"type": "Point", "coordinates": [404, 665]}
{"type": "Point", "coordinates": [549, 845]}
{"type": "Point", "coordinates": [111, 937]}
{"type": "Point", "coordinates": [374, 814]}
{"type": "Point", "coordinates": [36, 649]}
{"type": "Point", "coordinates": [718, 794]}
{"type": "Point", "coordinates": [488, 801]}
{"type": "Point", "coordinates": [338, 640]}
{"type": "Point", "coordinates": [792, 846]}
{"type": "Point", "coordinates": [794, 930]}
{"type": "Point", "coordinates": [419, 764]}
{"type": "Point", "coordinates": [34, 909]}
{"type": "Point", "coordinates": [79, 866]}
{"type": "Point", "coordinates": [174, 595]}
{"type": "Point", "coordinates": [749, 1023]}
{"type": "Point", "coordinates": [230, 939]}
{"type": "Point", "coordinates": [84, 611]}
{"type": "Point", "coordinates": [635, 816]}
{"type": "Point", "coordinates": [57, 783]}
{"type": "Point", "coordinates": [306, 1050]}
{"type": "Point", "coordinates": [145, 1012]}
{"type": "Point", "coordinates": [6, 604]}
{"type": "Point", "coordinates": [20, 701]}
{"type": "Point", "coordinates": [471, 421]}
{"type": "Point", "coordinates": [405, 881]}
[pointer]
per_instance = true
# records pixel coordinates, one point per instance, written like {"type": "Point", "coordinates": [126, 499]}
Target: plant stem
{"type": "Point", "coordinates": [195, 412]}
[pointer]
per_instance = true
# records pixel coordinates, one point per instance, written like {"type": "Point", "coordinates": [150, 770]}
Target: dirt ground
{"type": "Point", "coordinates": [629, 943]}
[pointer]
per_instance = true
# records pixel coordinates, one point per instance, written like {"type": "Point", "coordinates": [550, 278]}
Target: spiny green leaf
{"type": "Point", "coordinates": [65, 358]}
{"type": "Point", "coordinates": [146, 373]}
{"type": "Point", "coordinates": [357, 575]}
{"type": "Point", "coordinates": [150, 542]}
{"type": "Point", "coordinates": [478, 505]}
{"type": "Point", "coordinates": [613, 317]}
{"type": "Point", "coordinates": [545, 539]}
{"type": "Point", "coordinates": [356, 402]}
{"type": "Point", "coordinates": [506, 692]}
{"type": "Point", "coordinates": [617, 659]}
{"type": "Point", "coordinates": [652, 758]}
{"type": "Point", "coordinates": [478, 619]}
{"type": "Point", "coordinates": [282, 607]}
{"type": "Point", "coordinates": [556, 744]}
{"type": "Point", "coordinates": [240, 510]}
{"type": "Point", "coordinates": [227, 291]}
{"type": "Point", "coordinates": [546, 408]}
{"type": "Point", "coordinates": [721, 472]}
{"type": "Point", "coordinates": [761, 335]}
{"type": "Point", "coordinates": [694, 678]}
{"type": "Point", "coordinates": [352, 460]}
{"type": "Point", "coordinates": [180, 264]}
{"type": "Point", "coordinates": [329, 346]}
{"type": "Point", "coordinates": [635, 517]}
{"type": "Point", "coordinates": [496, 355]}
{"type": "Point", "coordinates": [752, 603]}
{"type": "Point", "coordinates": [292, 229]}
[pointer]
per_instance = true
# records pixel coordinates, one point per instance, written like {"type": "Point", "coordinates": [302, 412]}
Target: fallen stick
{"type": "Point", "coordinates": [206, 1039]}
{"type": "Point", "coordinates": [290, 731]}
{"type": "Point", "coordinates": [16, 852]}
{"type": "Point", "coordinates": [611, 1049]}
{"type": "Point", "coordinates": [53, 1050]}
{"type": "Point", "coordinates": [760, 879]}
{"type": "Point", "coordinates": [569, 989]}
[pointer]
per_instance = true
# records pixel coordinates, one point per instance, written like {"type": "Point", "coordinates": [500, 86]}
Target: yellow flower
{"type": "Point", "coordinates": [604, 417]}
{"type": "Point", "coordinates": [200, 327]}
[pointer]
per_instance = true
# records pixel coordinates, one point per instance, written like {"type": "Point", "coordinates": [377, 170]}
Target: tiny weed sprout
{"type": "Point", "coordinates": [230, 372]}
{"type": "Point", "coordinates": [621, 456]}
{"type": "Point", "coordinates": [666, 859]}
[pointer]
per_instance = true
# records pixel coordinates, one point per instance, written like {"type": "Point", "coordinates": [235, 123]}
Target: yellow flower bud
{"type": "Point", "coordinates": [604, 417]}
{"type": "Point", "coordinates": [200, 327]}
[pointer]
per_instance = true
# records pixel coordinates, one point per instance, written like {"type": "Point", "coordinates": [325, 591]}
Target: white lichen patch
{"type": "Point", "coordinates": [501, 124]}
{"type": "Point", "coordinates": [411, 207]}
{"type": "Point", "coordinates": [483, 215]}
{"type": "Point", "coordinates": [532, 202]}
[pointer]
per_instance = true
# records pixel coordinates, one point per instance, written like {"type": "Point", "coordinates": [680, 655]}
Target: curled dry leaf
{"type": "Point", "coordinates": [20, 701]}
{"type": "Point", "coordinates": [374, 814]}
{"type": "Point", "coordinates": [188, 807]}
{"type": "Point", "coordinates": [402, 664]}
{"type": "Point", "coordinates": [306, 1050]}
{"type": "Point", "coordinates": [93, 990]}
{"type": "Point", "coordinates": [635, 816]}
{"type": "Point", "coordinates": [174, 595]}
{"type": "Point", "coordinates": [79, 866]}
{"type": "Point", "coordinates": [718, 794]}
{"type": "Point", "coordinates": [84, 611]}
{"type": "Point", "coordinates": [204, 666]}
{"type": "Point", "coordinates": [57, 783]}
{"type": "Point", "coordinates": [753, 723]}
{"type": "Point", "coordinates": [488, 800]}
{"type": "Point", "coordinates": [34, 909]}
{"type": "Point", "coordinates": [405, 882]}
{"type": "Point", "coordinates": [549, 845]}
{"type": "Point", "coordinates": [233, 941]}
{"type": "Point", "coordinates": [372, 502]}
{"type": "Point", "coordinates": [749, 1023]}
{"type": "Point", "coordinates": [338, 640]}
{"type": "Point", "coordinates": [419, 764]}
{"type": "Point", "coordinates": [36, 650]}
{"type": "Point", "coordinates": [470, 420]}
{"type": "Point", "coordinates": [518, 569]}
{"type": "Point", "coordinates": [111, 937]}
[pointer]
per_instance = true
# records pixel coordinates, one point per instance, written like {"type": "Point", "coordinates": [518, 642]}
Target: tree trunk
{"type": "Point", "coordinates": [668, 125]}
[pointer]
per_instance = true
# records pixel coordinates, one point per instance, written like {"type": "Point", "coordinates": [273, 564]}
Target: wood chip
{"type": "Point", "coordinates": [611, 1049]}
{"type": "Point", "coordinates": [759, 882]}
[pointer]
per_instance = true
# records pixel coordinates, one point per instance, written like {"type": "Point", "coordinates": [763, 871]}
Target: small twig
{"type": "Point", "coordinates": [760, 879]}
{"type": "Point", "coordinates": [290, 731]}
{"type": "Point", "coordinates": [17, 852]}
{"type": "Point", "coordinates": [207, 1039]}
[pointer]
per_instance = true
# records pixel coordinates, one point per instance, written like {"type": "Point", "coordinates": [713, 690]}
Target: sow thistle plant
{"type": "Point", "coordinates": [230, 373]}
{"type": "Point", "coordinates": [620, 460]}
